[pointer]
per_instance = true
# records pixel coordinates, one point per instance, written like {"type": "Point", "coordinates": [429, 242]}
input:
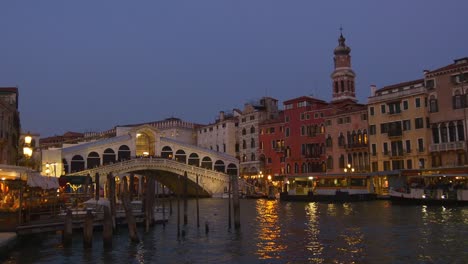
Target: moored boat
{"type": "Point", "coordinates": [329, 188]}
{"type": "Point", "coordinates": [433, 190]}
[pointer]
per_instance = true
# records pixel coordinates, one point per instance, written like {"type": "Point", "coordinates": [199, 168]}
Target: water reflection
{"type": "Point", "coordinates": [312, 243]}
{"type": "Point", "coordinates": [279, 232]}
{"type": "Point", "coordinates": [269, 244]}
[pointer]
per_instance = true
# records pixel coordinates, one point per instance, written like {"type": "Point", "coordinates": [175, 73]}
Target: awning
{"type": "Point", "coordinates": [35, 179]}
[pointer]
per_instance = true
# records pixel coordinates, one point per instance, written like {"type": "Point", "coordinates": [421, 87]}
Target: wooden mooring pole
{"type": "Point", "coordinates": [68, 229]}
{"type": "Point", "coordinates": [107, 228]}
{"type": "Point", "coordinates": [132, 230]}
{"type": "Point", "coordinates": [185, 198]}
{"type": "Point", "coordinates": [149, 197]}
{"type": "Point", "coordinates": [178, 208]}
{"type": "Point", "coordinates": [198, 208]}
{"type": "Point", "coordinates": [229, 202]}
{"type": "Point", "coordinates": [111, 183]}
{"type": "Point", "coordinates": [235, 191]}
{"type": "Point", "coordinates": [88, 229]}
{"type": "Point", "coordinates": [164, 205]}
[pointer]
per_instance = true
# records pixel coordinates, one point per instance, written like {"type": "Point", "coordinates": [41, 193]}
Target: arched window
{"type": "Point", "coordinates": [296, 168]}
{"type": "Point", "coordinates": [252, 143]}
{"type": "Point", "coordinates": [364, 136]}
{"type": "Point", "coordinates": [435, 134]}
{"type": "Point", "coordinates": [341, 162]}
{"type": "Point", "coordinates": [341, 140]}
{"type": "Point", "coordinates": [93, 160]}
{"type": "Point", "coordinates": [244, 158]}
{"type": "Point", "coordinates": [342, 86]}
{"type": "Point", "coordinates": [124, 153]}
{"type": "Point", "coordinates": [433, 104]}
{"type": "Point", "coordinates": [329, 141]}
{"type": "Point", "coordinates": [244, 144]}
{"type": "Point", "coordinates": [219, 166]}
{"type": "Point", "coordinates": [252, 157]}
{"type": "Point", "coordinates": [329, 162]}
{"type": "Point", "coordinates": [194, 160]}
{"type": "Point", "coordinates": [288, 168]}
{"type": "Point", "coordinates": [452, 132]}
{"type": "Point", "coordinates": [166, 152]}
{"type": "Point", "coordinates": [244, 131]}
{"type": "Point", "coordinates": [252, 130]}
{"type": "Point", "coordinates": [461, 129]}
{"type": "Point", "coordinates": [457, 100]}
{"type": "Point", "coordinates": [207, 163]}
{"type": "Point", "coordinates": [304, 167]}
{"type": "Point", "coordinates": [336, 86]}
{"type": "Point", "coordinates": [443, 133]}
{"type": "Point", "coordinates": [77, 163]}
{"type": "Point", "coordinates": [180, 156]}
{"type": "Point", "coordinates": [108, 156]}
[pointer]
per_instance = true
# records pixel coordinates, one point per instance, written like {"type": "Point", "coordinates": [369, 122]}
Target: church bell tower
{"type": "Point", "coordinates": [343, 76]}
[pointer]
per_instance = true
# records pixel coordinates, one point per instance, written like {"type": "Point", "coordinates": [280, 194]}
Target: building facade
{"type": "Point", "coordinates": [447, 93]}
{"type": "Point", "coordinates": [272, 146]}
{"type": "Point", "coordinates": [222, 135]}
{"type": "Point", "coordinates": [399, 127]}
{"type": "Point", "coordinates": [9, 126]}
{"type": "Point", "coordinates": [253, 114]}
{"type": "Point", "coordinates": [304, 135]}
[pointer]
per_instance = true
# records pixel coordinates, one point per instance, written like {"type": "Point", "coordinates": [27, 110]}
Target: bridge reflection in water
{"type": "Point", "coordinates": [280, 232]}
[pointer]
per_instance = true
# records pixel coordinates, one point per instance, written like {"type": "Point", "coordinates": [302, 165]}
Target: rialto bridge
{"type": "Point", "coordinates": [144, 151]}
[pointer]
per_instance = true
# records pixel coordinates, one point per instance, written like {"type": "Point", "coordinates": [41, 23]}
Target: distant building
{"type": "Point", "coordinates": [447, 93]}
{"type": "Point", "coordinates": [9, 126]}
{"type": "Point", "coordinates": [222, 135]}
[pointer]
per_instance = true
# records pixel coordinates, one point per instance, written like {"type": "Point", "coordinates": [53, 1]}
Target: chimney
{"type": "Point", "coordinates": [373, 88]}
{"type": "Point", "coordinates": [221, 115]}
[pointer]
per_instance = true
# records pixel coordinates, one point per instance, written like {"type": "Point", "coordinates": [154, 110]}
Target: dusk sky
{"type": "Point", "coordinates": [91, 65]}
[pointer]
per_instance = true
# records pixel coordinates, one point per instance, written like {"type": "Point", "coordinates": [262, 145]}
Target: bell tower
{"type": "Point", "coordinates": [343, 76]}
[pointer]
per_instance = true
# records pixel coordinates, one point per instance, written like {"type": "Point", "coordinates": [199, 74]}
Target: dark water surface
{"type": "Point", "coordinates": [279, 232]}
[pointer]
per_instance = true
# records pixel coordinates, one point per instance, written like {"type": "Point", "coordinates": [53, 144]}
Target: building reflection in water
{"type": "Point", "coordinates": [269, 244]}
{"type": "Point", "coordinates": [312, 229]}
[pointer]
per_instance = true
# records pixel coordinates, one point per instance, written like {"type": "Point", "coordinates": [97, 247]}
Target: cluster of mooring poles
{"type": "Point", "coordinates": [149, 199]}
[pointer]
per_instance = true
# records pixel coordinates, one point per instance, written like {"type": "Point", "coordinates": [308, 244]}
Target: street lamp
{"type": "Point", "coordinates": [349, 169]}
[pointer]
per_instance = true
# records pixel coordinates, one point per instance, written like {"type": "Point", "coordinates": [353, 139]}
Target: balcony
{"type": "Point", "coordinates": [459, 145]}
{"type": "Point", "coordinates": [279, 149]}
{"type": "Point", "coordinates": [356, 146]}
{"type": "Point", "coordinates": [395, 133]}
{"type": "Point", "coordinates": [396, 154]}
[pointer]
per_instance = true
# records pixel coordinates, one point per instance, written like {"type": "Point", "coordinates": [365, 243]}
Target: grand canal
{"type": "Point", "coordinates": [279, 232]}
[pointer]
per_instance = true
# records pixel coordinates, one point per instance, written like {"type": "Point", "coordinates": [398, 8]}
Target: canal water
{"type": "Point", "coordinates": [278, 232]}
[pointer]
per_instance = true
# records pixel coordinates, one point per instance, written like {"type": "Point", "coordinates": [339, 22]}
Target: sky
{"type": "Point", "coordinates": [91, 65]}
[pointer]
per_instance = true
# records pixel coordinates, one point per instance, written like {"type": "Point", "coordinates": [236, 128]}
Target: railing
{"type": "Point", "coordinates": [448, 146]}
{"type": "Point", "coordinates": [159, 163]}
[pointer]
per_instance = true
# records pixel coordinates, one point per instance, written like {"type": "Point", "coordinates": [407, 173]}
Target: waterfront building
{"type": "Point", "coordinates": [222, 135]}
{"type": "Point", "coordinates": [9, 126]}
{"type": "Point", "coordinates": [253, 114]}
{"type": "Point", "coordinates": [272, 146]}
{"type": "Point", "coordinates": [304, 135]}
{"type": "Point", "coordinates": [399, 127]}
{"type": "Point", "coordinates": [447, 93]}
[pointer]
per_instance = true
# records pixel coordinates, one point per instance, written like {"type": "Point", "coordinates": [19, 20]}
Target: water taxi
{"type": "Point", "coordinates": [434, 189]}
